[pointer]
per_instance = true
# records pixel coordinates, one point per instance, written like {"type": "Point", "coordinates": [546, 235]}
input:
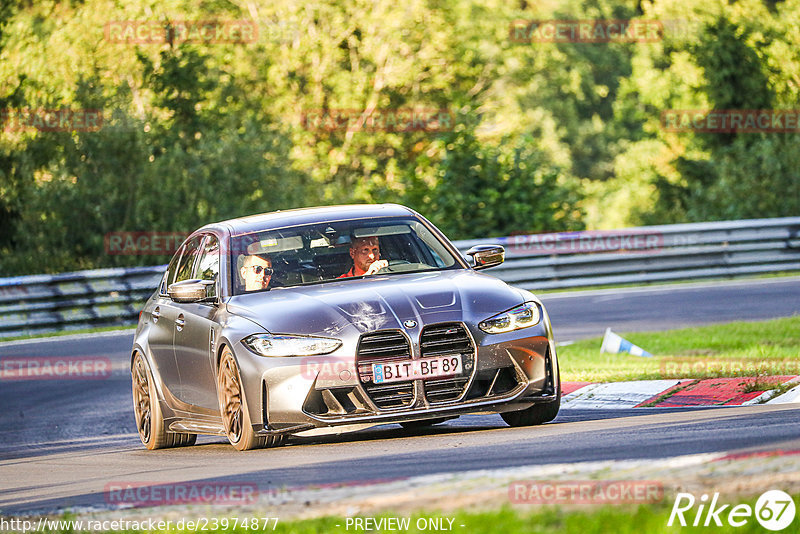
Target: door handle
{"type": "Point", "coordinates": [180, 322]}
{"type": "Point", "coordinates": [156, 314]}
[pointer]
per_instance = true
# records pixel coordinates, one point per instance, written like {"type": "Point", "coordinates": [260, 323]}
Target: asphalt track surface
{"type": "Point", "coordinates": [63, 441]}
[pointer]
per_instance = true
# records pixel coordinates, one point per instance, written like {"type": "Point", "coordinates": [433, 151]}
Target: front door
{"type": "Point", "coordinates": [195, 335]}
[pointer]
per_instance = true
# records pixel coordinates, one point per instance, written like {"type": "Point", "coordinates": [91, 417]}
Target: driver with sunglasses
{"type": "Point", "coordinates": [256, 272]}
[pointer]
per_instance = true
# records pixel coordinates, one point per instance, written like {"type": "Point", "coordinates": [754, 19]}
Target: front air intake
{"type": "Point", "coordinates": [442, 340]}
{"type": "Point", "coordinates": [384, 346]}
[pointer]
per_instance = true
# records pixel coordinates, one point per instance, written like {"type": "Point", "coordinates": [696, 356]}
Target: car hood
{"type": "Point", "coordinates": [378, 302]}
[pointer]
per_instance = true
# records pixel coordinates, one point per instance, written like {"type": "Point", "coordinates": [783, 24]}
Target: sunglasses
{"type": "Point", "coordinates": [258, 269]}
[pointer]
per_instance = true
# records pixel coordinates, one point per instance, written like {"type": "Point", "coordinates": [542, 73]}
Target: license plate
{"type": "Point", "coordinates": [414, 369]}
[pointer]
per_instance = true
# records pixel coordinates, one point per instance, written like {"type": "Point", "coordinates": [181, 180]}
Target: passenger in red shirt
{"type": "Point", "coordinates": [366, 254]}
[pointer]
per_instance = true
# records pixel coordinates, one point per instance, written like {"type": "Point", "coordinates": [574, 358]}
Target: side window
{"type": "Point", "coordinates": [208, 266]}
{"type": "Point", "coordinates": [186, 264]}
{"type": "Point", "coordinates": [169, 276]}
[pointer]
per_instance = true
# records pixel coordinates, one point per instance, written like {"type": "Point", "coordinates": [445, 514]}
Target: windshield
{"type": "Point", "coordinates": [333, 251]}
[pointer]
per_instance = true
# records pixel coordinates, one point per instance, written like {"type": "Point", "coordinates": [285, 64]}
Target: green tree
{"type": "Point", "coordinates": [737, 56]}
{"type": "Point", "coordinates": [494, 191]}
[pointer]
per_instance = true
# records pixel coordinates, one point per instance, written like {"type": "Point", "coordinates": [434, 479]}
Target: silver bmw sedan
{"type": "Point", "coordinates": [333, 319]}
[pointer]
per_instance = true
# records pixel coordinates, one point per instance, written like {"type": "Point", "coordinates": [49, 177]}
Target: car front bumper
{"type": "Point", "coordinates": [509, 372]}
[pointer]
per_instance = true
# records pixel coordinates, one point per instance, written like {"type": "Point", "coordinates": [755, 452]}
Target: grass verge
{"type": "Point", "coordinates": [649, 518]}
{"type": "Point", "coordinates": [739, 349]}
{"type": "Point", "coordinates": [94, 330]}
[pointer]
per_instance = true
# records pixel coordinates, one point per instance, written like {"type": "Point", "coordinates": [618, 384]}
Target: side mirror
{"type": "Point", "coordinates": [191, 290]}
{"type": "Point", "coordinates": [486, 256]}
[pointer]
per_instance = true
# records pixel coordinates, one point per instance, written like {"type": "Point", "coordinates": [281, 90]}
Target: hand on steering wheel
{"type": "Point", "coordinates": [376, 266]}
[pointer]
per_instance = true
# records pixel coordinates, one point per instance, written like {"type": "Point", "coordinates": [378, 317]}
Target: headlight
{"type": "Point", "coordinates": [521, 316]}
{"type": "Point", "coordinates": [286, 345]}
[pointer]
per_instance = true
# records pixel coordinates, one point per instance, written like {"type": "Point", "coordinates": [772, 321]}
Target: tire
{"type": "Point", "coordinates": [233, 408]}
{"type": "Point", "coordinates": [147, 410]}
{"type": "Point", "coordinates": [536, 414]}
{"type": "Point", "coordinates": [413, 425]}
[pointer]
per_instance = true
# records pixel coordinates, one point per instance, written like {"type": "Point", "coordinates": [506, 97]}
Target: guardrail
{"type": "Point", "coordinates": [105, 297]}
{"type": "Point", "coordinates": [53, 303]}
{"type": "Point", "coordinates": [649, 253]}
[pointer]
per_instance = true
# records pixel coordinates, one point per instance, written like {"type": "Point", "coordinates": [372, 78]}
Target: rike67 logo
{"type": "Point", "coordinates": [774, 510]}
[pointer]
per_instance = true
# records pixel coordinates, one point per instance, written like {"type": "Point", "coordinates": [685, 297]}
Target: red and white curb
{"type": "Point", "coordinates": [739, 391]}
{"type": "Point", "coordinates": [793, 395]}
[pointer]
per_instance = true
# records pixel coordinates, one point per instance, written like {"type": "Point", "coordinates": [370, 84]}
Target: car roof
{"type": "Point", "coordinates": [301, 216]}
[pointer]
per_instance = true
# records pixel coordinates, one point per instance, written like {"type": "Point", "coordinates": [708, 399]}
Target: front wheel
{"type": "Point", "coordinates": [413, 425]}
{"type": "Point", "coordinates": [233, 408]}
{"type": "Point", "coordinates": [535, 415]}
{"type": "Point", "coordinates": [538, 413]}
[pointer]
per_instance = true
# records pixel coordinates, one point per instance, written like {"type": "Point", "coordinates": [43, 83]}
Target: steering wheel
{"type": "Point", "coordinates": [392, 263]}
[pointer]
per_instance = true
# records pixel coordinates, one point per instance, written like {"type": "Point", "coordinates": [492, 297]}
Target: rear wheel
{"type": "Point", "coordinates": [233, 408]}
{"type": "Point", "coordinates": [147, 410]}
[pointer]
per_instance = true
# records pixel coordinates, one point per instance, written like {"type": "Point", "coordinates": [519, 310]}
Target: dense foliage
{"type": "Point", "coordinates": [538, 136]}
